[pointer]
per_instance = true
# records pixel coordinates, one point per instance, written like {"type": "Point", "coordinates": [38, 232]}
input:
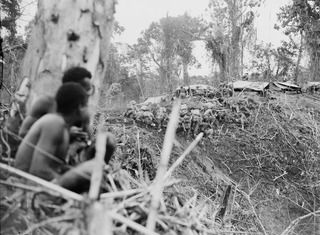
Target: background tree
{"type": "Point", "coordinates": [11, 47]}
{"type": "Point", "coordinates": [284, 58]}
{"type": "Point", "coordinates": [185, 28]}
{"type": "Point", "coordinates": [230, 23]}
{"type": "Point", "coordinates": [10, 12]}
{"type": "Point", "coordinates": [138, 60]}
{"type": "Point", "coordinates": [271, 63]}
{"type": "Point", "coordinates": [302, 17]}
{"type": "Point", "coordinates": [169, 43]}
{"type": "Point", "coordinates": [157, 39]}
{"type": "Point", "coordinates": [13, 53]}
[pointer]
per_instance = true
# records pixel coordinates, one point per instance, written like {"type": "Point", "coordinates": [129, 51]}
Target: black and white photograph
{"type": "Point", "coordinates": [160, 117]}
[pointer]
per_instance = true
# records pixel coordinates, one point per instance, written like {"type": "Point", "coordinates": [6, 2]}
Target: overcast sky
{"type": "Point", "coordinates": [136, 15]}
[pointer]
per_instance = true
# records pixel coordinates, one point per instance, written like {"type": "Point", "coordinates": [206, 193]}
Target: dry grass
{"type": "Point", "coordinates": [257, 174]}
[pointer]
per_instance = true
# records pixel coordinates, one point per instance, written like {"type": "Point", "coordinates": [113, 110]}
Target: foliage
{"type": "Point", "coordinates": [168, 43]}
{"type": "Point", "coordinates": [273, 63]}
{"type": "Point", "coordinates": [113, 71]}
{"type": "Point", "coordinates": [117, 73]}
{"type": "Point", "coordinates": [228, 31]}
{"type": "Point", "coordinates": [10, 11]}
{"type": "Point", "coordinates": [117, 80]}
{"type": "Point", "coordinates": [117, 28]}
{"type": "Point", "coordinates": [302, 17]}
{"type": "Point", "coordinates": [10, 51]}
{"type": "Point", "coordinates": [13, 50]}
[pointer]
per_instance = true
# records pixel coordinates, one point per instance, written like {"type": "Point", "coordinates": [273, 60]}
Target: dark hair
{"type": "Point", "coordinates": [75, 74]}
{"type": "Point", "coordinates": [69, 97]}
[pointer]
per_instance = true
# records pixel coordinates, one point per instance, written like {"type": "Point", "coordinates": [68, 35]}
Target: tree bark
{"type": "Point", "coordinates": [234, 40]}
{"type": "Point", "coordinates": [315, 65]}
{"type": "Point", "coordinates": [296, 74]}
{"type": "Point", "coordinates": [186, 79]}
{"type": "Point", "coordinates": [68, 33]}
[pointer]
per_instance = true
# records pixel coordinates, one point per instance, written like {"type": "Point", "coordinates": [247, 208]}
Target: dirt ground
{"type": "Point", "coordinates": [270, 160]}
{"type": "Point", "coordinates": [277, 139]}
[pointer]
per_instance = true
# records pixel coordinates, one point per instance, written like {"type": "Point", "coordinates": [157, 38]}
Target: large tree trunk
{"type": "Point", "coordinates": [68, 33]}
{"type": "Point", "coordinates": [296, 74]}
{"type": "Point", "coordinates": [141, 79]}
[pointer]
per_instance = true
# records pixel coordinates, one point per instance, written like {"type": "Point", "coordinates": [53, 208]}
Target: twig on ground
{"type": "Point", "coordinates": [50, 221]}
{"type": "Point", "coordinates": [139, 154]}
{"type": "Point", "coordinates": [54, 189]}
{"type": "Point", "coordinates": [21, 186]}
{"type": "Point", "coordinates": [297, 220]}
{"type": "Point", "coordinates": [253, 210]}
{"type": "Point", "coordinates": [184, 154]}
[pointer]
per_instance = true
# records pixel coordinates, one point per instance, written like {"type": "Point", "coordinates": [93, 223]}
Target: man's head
{"type": "Point", "coordinates": [79, 75]}
{"type": "Point", "coordinates": [72, 100]}
{"type": "Point", "coordinates": [42, 106]}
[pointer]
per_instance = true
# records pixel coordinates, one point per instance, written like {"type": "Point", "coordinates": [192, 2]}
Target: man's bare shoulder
{"type": "Point", "coordinates": [42, 105]}
{"type": "Point", "coordinates": [52, 121]}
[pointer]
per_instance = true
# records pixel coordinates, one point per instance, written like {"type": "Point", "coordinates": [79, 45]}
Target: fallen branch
{"type": "Point", "coordinates": [54, 189]}
{"type": "Point", "coordinates": [21, 186]}
{"type": "Point", "coordinates": [139, 154]}
{"type": "Point", "coordinates": [50, 221]}
{"type": "Point", "coordinates": [184, 154]}
{"type": "Point", "coordinates": [297, 220]}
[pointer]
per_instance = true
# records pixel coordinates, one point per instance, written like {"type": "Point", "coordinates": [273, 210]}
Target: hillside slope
{"type": "Point", "coordinates": [266, 149]}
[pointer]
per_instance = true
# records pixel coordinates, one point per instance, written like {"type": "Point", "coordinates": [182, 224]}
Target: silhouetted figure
{"type": "Point", "coordinates": [43, 150]}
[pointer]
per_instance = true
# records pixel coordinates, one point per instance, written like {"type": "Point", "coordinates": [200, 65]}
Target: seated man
{"type": "Point", "coordinates": [78, 178]}
{"type": "Point", "coordinates": [46, 104]}
{"type": "Point", "coordinates": [44, 148]}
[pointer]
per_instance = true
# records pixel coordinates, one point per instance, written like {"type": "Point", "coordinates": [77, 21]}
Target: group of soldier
{"type": "Point", "coordinates": [203, 91]}
{"type": "Point", "coordinates": [192, 120]}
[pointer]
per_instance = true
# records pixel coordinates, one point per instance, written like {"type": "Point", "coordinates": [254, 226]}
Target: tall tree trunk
{"type": "Point", "coordinates": [68, 33]}
{"type": "Point", "coordinates": [169, 75]}
{"type": "Point", "coordinates": [296, 74]}
{"type": "Point", "coordinates": [186, 79]}
{"type": "Point", "coordinates": [163, 79]}
{"type": "Point", "coordinates": [315, 65]}
{"type": "Point", "coordinates": [277, 72]}
{"type": "Point", "coordinates": [141, 80]}
{"type": "Point", "coordinates": [235, 39]}
{"type": "Point", "coordinates": [222, 72]}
